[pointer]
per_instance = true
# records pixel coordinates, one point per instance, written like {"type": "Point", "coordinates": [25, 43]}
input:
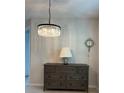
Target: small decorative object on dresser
{"type": "Point", "coordinates": [71, 76]}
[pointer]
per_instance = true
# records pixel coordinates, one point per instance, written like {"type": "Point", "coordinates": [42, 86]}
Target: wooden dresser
{"type": "Point", "coordinates": [71, 76]}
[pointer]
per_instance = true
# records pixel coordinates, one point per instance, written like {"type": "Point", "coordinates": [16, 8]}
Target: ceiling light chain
{"type": "Point", "coordinates": [49, 30]}
{"type": "Point", "coordinates": [49, 11]}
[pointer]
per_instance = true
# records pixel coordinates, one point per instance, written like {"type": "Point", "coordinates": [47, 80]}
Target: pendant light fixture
{"type": "Point", "coordinates": [49, 30]}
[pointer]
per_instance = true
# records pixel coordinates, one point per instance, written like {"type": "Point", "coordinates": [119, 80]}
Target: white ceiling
{"type": "Point", "coordinates": [62, 8]}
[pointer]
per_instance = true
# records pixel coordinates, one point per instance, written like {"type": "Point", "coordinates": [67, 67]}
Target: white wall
{"type": "Point", "coordinates": [74, 33]}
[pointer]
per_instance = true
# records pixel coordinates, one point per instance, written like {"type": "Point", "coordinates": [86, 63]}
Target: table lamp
{"type": "Point", "coordinates": [65, 53]}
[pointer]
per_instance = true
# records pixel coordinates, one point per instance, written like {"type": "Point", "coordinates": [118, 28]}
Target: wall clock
{"type": "Point", "coordinates": [89, 43]}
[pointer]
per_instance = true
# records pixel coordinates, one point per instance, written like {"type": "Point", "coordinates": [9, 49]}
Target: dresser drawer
{"type": "Point", "coordinates": [70, 69]}
{"type": "Point", "coordinates": [49, 69]}
{"type": "Point", "coordinates": [77, 77]}
{"type": "Point", "coordinates": [51, 84]}
{"type": "Point", "coordinates": [77, 85]}
{"type": "Point", "coordinates": [55, 84]}
{"type": "Point", "coordinates": [82, 70]}
{"type": "Point", "coordinates": [76, 69]}
{"type": "Point", "coordinates": [54, 76]}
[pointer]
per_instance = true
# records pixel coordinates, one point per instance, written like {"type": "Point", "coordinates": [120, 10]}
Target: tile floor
{"type": "Point", "coordinates": [40, 90]}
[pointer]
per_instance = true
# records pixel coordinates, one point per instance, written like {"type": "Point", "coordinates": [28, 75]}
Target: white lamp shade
{"type": "Point", "coordinates": [65, 52]}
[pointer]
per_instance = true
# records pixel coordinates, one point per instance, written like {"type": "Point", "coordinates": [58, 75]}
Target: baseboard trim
{"type": "Point", "coordinates": [36, 84]}
{"type": "Point", "coordinates": [92, 86]}
{"type": "Point", "coordinates": [41, 85]}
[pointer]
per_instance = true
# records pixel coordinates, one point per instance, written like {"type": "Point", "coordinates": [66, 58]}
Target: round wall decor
{"type": "Point", "coordinates": [89, 43]}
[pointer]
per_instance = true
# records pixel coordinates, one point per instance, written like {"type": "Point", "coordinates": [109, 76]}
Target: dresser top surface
{"type": "Point", "coordinates": [70, 64]}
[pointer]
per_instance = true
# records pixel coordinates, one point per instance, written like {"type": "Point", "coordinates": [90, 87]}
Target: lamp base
{"type": "Point", "coordinates": [65, 61]}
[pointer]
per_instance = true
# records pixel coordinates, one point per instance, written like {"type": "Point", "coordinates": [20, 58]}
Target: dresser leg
{"type": "Point", "coordinates": [87, 91]}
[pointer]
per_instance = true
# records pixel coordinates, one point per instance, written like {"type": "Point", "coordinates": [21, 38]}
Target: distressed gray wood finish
{"type": "Point", "coordinates": [71, 76]}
